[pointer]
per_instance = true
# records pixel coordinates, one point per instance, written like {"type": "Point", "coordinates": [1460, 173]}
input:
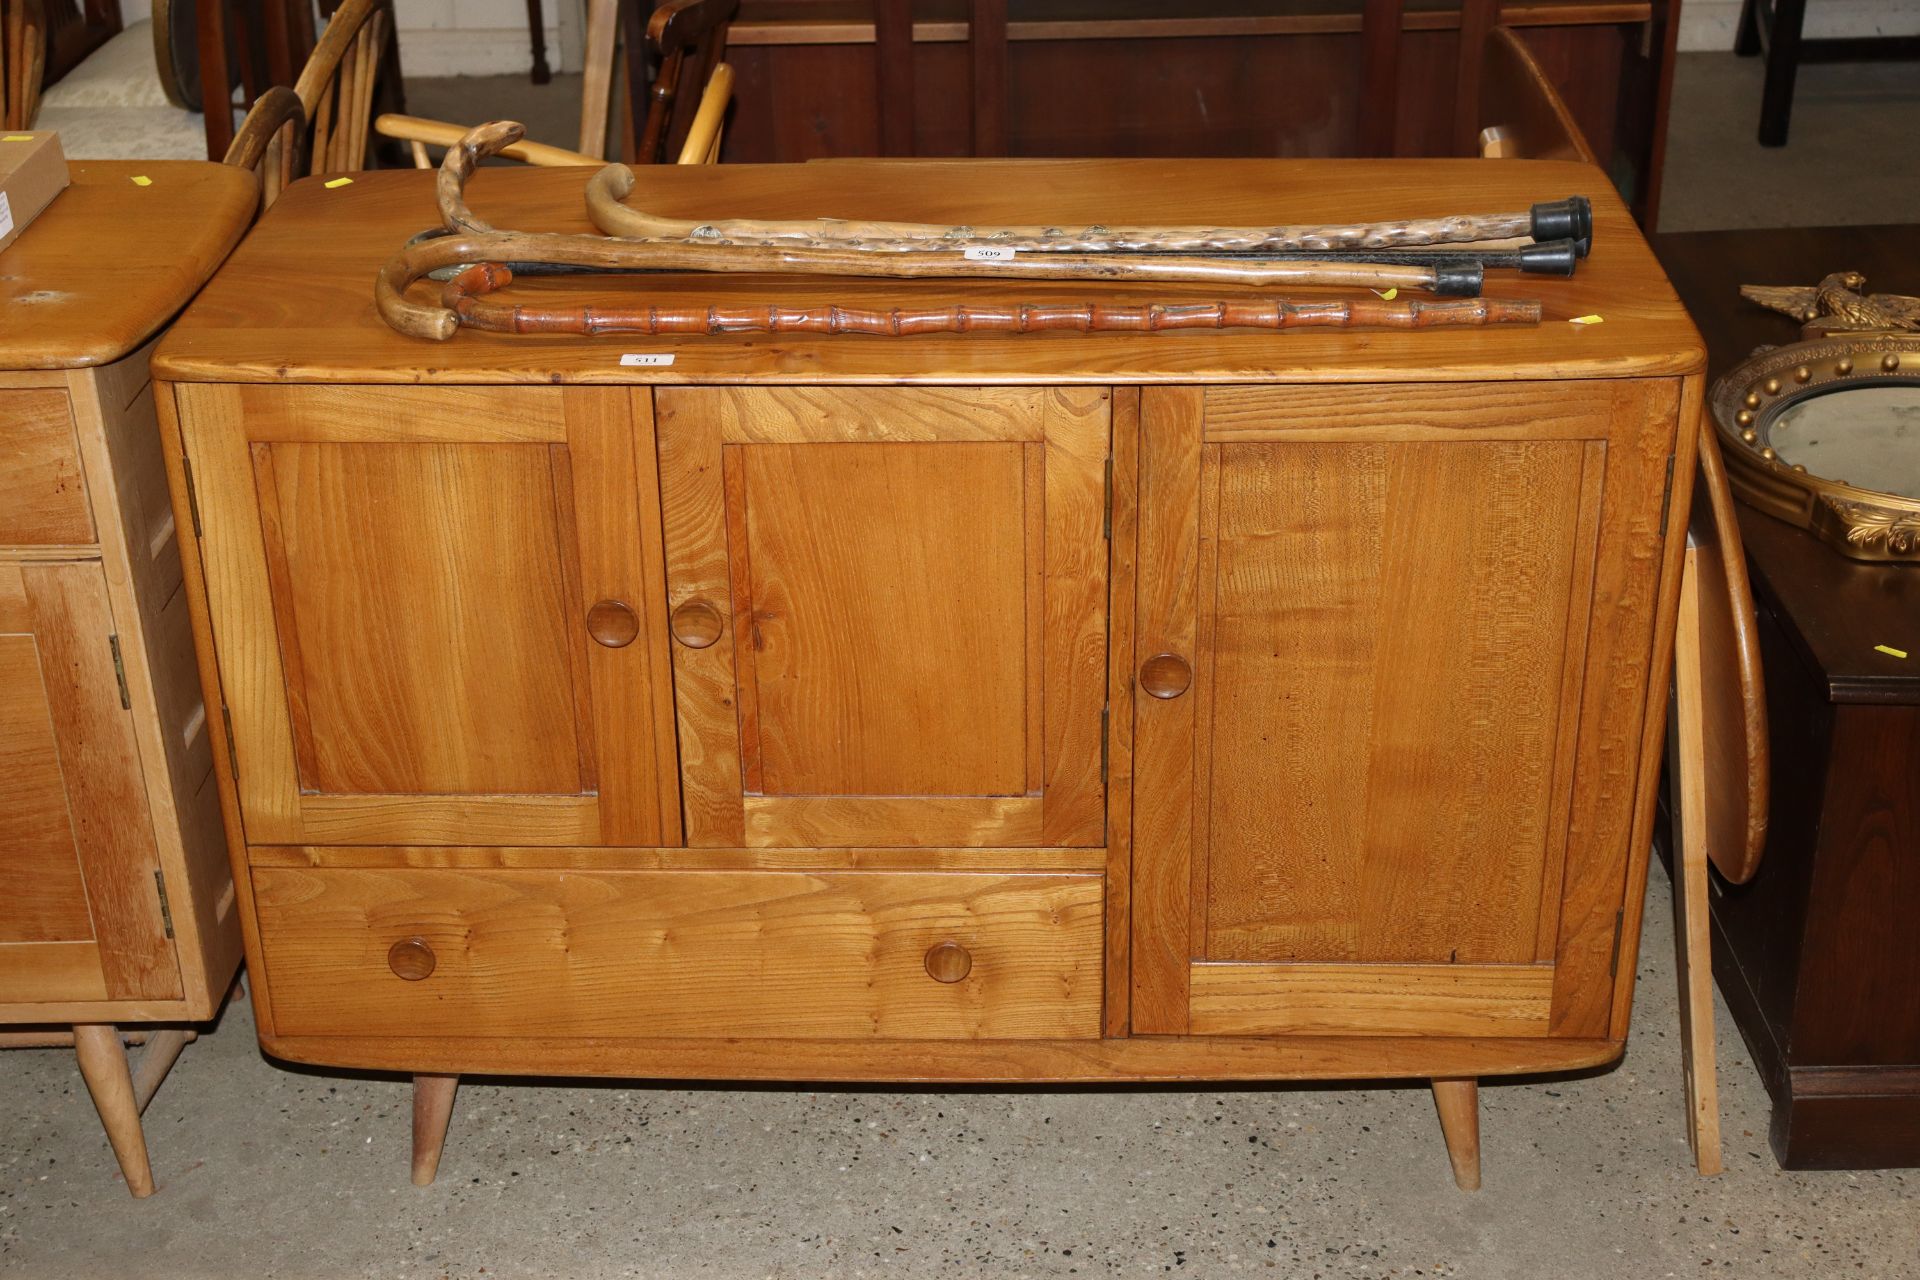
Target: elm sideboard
{"type": "Point", "coordinates": [117, 911]}
{"type": "Point", "coordinates": [969, 708]}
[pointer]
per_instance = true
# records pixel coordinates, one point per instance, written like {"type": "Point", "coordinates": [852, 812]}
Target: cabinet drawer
{"type": "Point", "coordinates": [829, 955]}
{"type": "Point", "coordinates": [46, 503]}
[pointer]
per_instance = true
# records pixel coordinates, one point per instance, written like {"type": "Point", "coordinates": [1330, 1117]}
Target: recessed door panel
{"type": "Point", "coordinates": [1392, 649]}
{"type": "Point", "coordinates": [889, 613]}
{"type": "Point", "coordinates": [439, 613]}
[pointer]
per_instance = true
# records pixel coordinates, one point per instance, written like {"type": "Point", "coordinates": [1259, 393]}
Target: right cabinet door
{"type": "Point", "coordinates": [1391, 653]}
{"type": "Point", "coordinates": [888, 609]}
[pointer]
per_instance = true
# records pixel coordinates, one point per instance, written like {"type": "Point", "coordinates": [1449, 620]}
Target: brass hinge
{"type": "Point", "coordinates": [1613, 964]}
{"type": "Point", "coordinates": [1666, 496]}
{"type": "Point", "coordinates": [193, 495]}
{"type": "Point", "coordinates": [166, 910]}
{"type": "Point", "coordinates": [233, 760]}
{"type": "Point", "coordinates": [1106, 522]}
{"type": "Point", "coordinates": [120, 673]}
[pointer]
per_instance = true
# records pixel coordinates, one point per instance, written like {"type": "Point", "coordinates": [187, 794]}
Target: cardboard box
{"type": "Point", "coordinates": [33, 170]}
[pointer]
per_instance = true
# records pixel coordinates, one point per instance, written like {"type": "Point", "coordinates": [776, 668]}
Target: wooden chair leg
{"type": "Point", "coordinates": [1693, 945]}
{"type": "Point", "coordinates": [432, 1108]}
{"type": "Point", "coordinates": [1458, 1102]}
{"type": "Point", "coordinates": [103, 1064]}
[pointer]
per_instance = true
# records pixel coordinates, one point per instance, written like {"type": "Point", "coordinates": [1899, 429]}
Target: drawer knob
{"type": "Point", "coordinates": [411, 958]}
{"type": "Point", "coordinates": [613, 623]}
{"type": "Point", "coordinates": [696, 624]}
{"type": "Point", "coordinates": [948, 962]}
{"type": "Point", "coordinates": [1165, 675]}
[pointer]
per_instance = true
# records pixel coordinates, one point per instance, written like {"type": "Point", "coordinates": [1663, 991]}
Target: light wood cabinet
{"type": "Point", "coordinates": [1223, 707]}
{"type": "Point", "coordinates": [118, 917]}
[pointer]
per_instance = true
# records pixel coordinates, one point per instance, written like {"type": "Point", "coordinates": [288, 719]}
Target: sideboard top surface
{"type": "Point", "coordinates": [112, 258]}
{"type": "Point", "coordinates": [295, 301]}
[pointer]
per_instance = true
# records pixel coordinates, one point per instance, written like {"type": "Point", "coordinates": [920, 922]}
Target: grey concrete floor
{"type": "Point", "coordinates": [271, 1172]}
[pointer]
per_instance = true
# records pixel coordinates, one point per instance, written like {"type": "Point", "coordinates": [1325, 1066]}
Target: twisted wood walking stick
{"type": "Point", "coordinates": [467, 242]}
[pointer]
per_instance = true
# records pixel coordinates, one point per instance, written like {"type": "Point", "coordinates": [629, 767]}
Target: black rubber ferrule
{"type": "Point", "coordinates": [1459, 280]}
{"type": "Point", "coordinates": [1569, 219]}
{"type": "Point", "coordinates": [1554, 258]}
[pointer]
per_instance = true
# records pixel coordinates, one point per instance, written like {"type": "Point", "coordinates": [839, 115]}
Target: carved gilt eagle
{"type": "Point", "coordinates": [1838, 305]}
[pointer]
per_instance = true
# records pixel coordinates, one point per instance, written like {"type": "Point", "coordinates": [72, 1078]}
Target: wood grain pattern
{"type": "Point", "coordinates": [857, 415]}
{"type": "Point", "coordinates": [1693, 946]}
{"type": "Point", "coordinates": [694, 524]}
{"type": "Point", "coordinates": [888, 601]}
{"type": "Point", "coordinates": [1562, 410]}
{"type": "Point", "coordinates": [917, 599]}
{"type": "Point", "coordinates": [1458, 1102]}
{"type": "Point", "coordinates": [666, 954]}
{"type": "Point", "coordinates": [1168, 594]}
{"type": "Point", "coordinates": [894, 820]}
{"type": "Point", "coordinates": [40, 472]}
{"type": "Point", "coordinates": [1614, 788]}
{"type": "Point", "coordinates": [410, 616]}
{"type": "Point", "coordinates": [441, 637]}
{"type": "Point", "coordinates": [292, 303]}
{"type": "Point", "coordinates": [1391, 623]}
{"type": "Point", "coordinates": [1371, 999]}
{"type": "Point", "coordinates": [1073, 639]}
{"type": "Point", "coordinates": [1122, 549]}
{"type": "Point", "coordinates": [594, 858]}
{"type": "Point", "coordinates": [69, 305]}
{"type": "Point", "coordinates": [113, 829]}
{"type": "Point", "coordinates": [44, 894]}
{"type": "Point", "coordinates": [40, 975]}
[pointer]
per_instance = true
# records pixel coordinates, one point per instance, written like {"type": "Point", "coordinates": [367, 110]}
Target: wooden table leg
{"type": "Point", "coordinates": [432, 1108]}
{"type": "Point", "coordinates": [537, 31]}
{"type": "Point", "coordinates": [210, 17]}
{"type": "Point", "coordinates": [1458, 1102]}
{"type": "Point", "coordinates": [596, 89]}
{"type": "Point", "coordinates": [103, 1064]}
{"type": "Point", "coordinates": [1693, 948]}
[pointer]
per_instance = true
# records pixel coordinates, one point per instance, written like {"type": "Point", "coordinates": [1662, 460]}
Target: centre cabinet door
{"type": "Point", "coordinates": [437, 611]}
{"type": "Point", "coordinates": [888, 612]}
{"type": "Point", "coordinates": [1392, 662]}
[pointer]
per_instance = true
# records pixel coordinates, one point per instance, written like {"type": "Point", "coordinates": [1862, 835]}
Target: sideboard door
{"type": "Point", "coordinates": [437, 612]}
{"type": "Point", "coordinates": [1391, 678]}
{"type": "Point", "coordinates": [888, 610]}
{"type": "Point", "coordinates": [80, 909]}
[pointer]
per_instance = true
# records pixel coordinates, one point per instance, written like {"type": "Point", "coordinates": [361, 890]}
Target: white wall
{"type": "Point", "coordinates": [464, 37]}
{"type": "Point", "coordinates": [1709, 25]}
{"type": "Point", "coordinates": [483, 37]}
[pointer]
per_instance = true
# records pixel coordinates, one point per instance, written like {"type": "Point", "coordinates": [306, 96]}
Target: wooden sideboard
{"type": "Point", "coordinates": [117, 912]}
{"type": "Point", "coordinates": [1223, 706]}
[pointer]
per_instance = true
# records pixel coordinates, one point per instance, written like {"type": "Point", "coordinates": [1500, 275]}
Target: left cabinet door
{"type": "Point", "coordinates": [437, 612]}
{"type": "Point", "coordinates": [80, 915]}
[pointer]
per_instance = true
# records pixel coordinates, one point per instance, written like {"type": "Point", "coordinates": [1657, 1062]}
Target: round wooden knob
{"type": "Point", "coordinates": [613, 623]}
{"type": "Point", "coordinates": [696, 624]}
{"type": "Point", "coordinates": [411, 958]}
{"type": "Point", "coordinates": [1165, 675]}
{"type": "Point", "coordinates": [948, 962]}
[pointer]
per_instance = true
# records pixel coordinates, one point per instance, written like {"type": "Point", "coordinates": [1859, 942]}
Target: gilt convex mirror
{"type": "Point", "coordinates": [1826, 434]}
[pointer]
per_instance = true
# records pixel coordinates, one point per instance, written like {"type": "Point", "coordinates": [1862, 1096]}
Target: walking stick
{"type": "Point", "coordinates": [467, 241]}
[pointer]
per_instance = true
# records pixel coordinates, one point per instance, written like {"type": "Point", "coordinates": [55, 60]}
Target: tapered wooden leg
{"type": "Point", "coordinates": [1458, 1102]}
{"type": "Point", "coordinates": [1692, 942]}
{"type": "Point", "coordinates": [103, 1063]}
{"type": "Point", "coordinates": [432, 1108]}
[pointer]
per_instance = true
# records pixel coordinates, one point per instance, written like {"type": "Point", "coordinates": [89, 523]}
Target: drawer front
{"type": "Point", "coordinates": [46, 503]}
{"type": "Point", "coordinates": [794, 955]}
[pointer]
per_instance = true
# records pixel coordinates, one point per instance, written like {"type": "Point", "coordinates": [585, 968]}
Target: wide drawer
{"type": "Point", "coordinates": [827, 955]}
{"type": "Point", "coordinates": [46, 498]}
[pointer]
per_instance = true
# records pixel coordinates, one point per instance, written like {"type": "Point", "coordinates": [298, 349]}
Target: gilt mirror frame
{"type": "Point", "coordinates": [1749, 400]}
